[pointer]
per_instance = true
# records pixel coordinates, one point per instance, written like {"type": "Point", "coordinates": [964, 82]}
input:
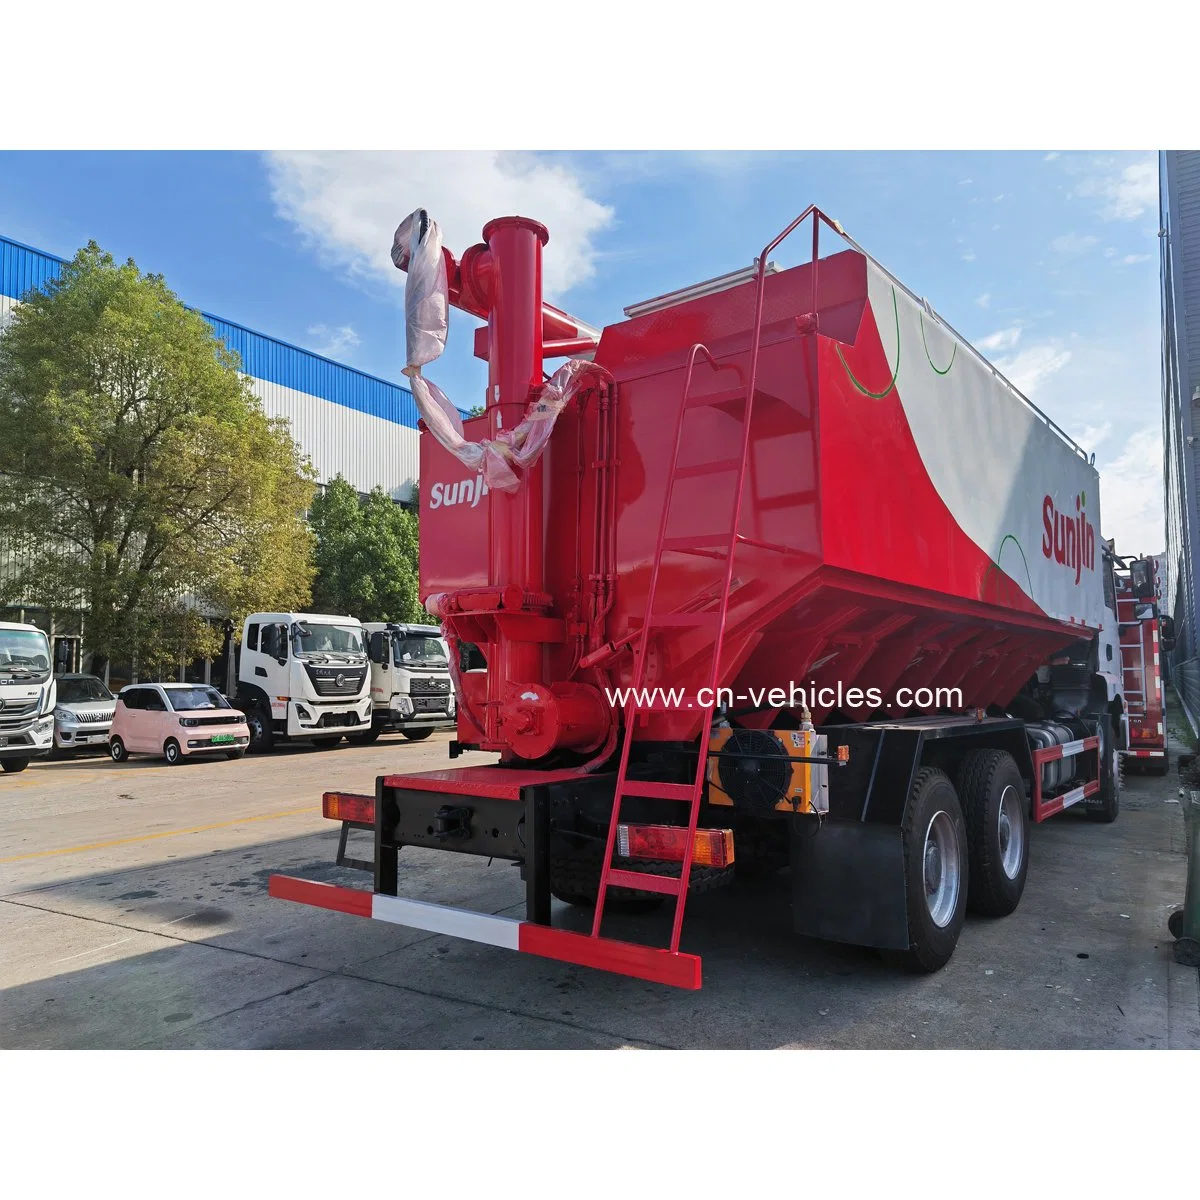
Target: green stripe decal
{"type": "Point", "coordinates": [924, 343]}
{"type": "Point", "coordinates": [850, 374]}
{"type": "Point", "coordinates": [995, 566]}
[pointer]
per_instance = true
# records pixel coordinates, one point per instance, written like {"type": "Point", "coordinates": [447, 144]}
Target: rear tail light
{"type": "Point", "coordinates": [348, 806]}
{"type": "Point", "coordinates": [711, 847]}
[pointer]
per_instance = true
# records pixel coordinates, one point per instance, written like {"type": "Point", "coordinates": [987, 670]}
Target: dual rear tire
{"type": "Point", "coordinates": [964, 847]}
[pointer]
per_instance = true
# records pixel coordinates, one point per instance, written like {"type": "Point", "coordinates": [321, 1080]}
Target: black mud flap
{"type": "Point", "coordinates": [848, 883]}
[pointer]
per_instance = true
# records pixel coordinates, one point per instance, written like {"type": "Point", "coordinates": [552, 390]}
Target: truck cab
{"type": "Point", "coordinates": [27, 696]}
{"type": "Point", "coordinates": [411, 689]}
{"type": "Point", "coordinates": [303, 676]}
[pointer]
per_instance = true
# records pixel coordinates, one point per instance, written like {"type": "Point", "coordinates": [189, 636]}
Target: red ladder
{"type": "Point", "coordinates": [688, 793]}
{"type": "Point", "coordinates": [725, 540]}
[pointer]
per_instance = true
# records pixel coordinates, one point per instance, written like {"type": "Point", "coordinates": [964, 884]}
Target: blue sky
{"type": "Point", "coordinates": [1047, 261]}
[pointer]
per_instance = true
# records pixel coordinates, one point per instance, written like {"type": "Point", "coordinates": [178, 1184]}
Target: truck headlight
{"type": "Point", "coordinates": [450, 704]}
{"type": "Point", "coordinates": [403, 705]}
{"type": "Point", "coordinates": [65, 716]}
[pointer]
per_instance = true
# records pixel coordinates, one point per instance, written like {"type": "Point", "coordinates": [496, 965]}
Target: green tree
{"type": "Point", "coordinates": [366, 555]}
{"type": "Point", "coordinates": [139, 477]}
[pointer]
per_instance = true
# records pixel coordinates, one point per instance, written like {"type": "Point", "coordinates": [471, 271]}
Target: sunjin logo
{"type": "Point", "coordinates": [1070, 540]}
{"type": "Point", "coordinates": [462, 491]}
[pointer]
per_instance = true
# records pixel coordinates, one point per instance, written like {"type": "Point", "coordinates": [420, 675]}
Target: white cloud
{"type": "Point", "coordinates": [1073, 243]}
{"type": "Point", "coordinates": [1051, 156]}
{"type": "Point", "coordinates": [997, 199]}
{"type": "Point", "coordinates": [348, 204]}
{"type": "Point", "coordinates": [1109, 251]}
{"type": "Point", "coordinates": [984, 300]}
{"type": "Point", "coordinates": [964, 182]}
{"type": "Point", "coordinates": [969, 256]}
{"type": "Point", "coordinates": [1134, 258]}
{"type": "Point", "coordinates": [1094, 435]}
{"type": "Point", "coordinates": [1029, 368]}
{"type": "Point", "coordinates": [1131, 494]}
{"type": "Point", "coordinates": [333, 343]}
{"type": "Point", "coordinates": [1125, 193]}
{"type": "Point", "coordinates": [1002, 339]}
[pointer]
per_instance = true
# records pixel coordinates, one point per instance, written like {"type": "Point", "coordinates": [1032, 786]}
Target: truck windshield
{"type": "Point", "coordinates": [417, 650]}
{"type": "Point", "coordinates": [72, 691]}
{"type": "Point", "coordinates": [24, 654]}
{"type": "Point", "coordinates": [190, 699]}
{"type": "Point", "coordinates": [313, 641]}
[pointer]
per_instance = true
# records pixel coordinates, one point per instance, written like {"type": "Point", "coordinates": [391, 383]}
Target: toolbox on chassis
{"type": "Point", "coordinates": [737, 486]}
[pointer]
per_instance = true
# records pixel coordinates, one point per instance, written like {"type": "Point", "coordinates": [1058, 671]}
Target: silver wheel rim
{"type": "Point", "coordinates": [172, 754]}
{"type": "Point", "coordinates": [1011, 832]}
{"type": "Point", "coordinates": [256, 729]}
{"type": "Point", "coordinates": [942, 869]}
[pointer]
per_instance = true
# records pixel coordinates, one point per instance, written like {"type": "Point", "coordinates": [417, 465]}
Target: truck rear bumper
{"type": "Point", "coordinates": [508, 933]}
{"type": "Point", "coordinates": [392, 722]}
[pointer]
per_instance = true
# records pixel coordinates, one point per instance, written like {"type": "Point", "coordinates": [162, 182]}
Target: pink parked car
{"type": "Point", "coordinates": [176, 720]}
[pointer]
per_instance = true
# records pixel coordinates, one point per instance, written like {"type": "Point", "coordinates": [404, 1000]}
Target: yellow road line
{"type": "Point", "coordinates": [149, 837]}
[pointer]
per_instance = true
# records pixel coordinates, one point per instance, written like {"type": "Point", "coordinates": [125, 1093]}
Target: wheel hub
{"type": "Point", "coordinates": [942, 869]}
{"type": "Point", "coordinates": [1010, 833]}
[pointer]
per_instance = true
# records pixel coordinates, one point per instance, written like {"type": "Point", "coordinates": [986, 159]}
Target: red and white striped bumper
{"type": "Point", "coordinates": [509, 933]}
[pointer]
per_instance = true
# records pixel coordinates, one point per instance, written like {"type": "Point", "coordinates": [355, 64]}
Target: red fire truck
{"type": "Point", "coordinates": [1138, 622]}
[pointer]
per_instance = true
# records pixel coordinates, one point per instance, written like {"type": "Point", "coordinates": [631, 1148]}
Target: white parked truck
{"type": "Point", "coordinates": [411, 689]}
{"type": "Point", "coordinates": [303, 676]}
{"type": "Point", "coordinates": [27, 696]}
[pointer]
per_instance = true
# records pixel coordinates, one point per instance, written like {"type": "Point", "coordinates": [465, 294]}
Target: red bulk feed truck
{"type": "Point", "coordinates": [778, 571]}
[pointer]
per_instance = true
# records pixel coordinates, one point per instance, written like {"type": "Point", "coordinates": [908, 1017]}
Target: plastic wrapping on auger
{"type": "Point", "coordinates": [417, 248]}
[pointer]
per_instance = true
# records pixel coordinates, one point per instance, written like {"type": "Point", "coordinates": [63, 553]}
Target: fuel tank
{"type": "Point", "coordinates": [909, 519]}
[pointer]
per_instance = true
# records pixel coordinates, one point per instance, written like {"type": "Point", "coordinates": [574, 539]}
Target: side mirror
{"type": "Point", "coordinates": [377, 649]}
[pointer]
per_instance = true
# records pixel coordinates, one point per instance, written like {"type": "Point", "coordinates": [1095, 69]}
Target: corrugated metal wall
{"type": "Point", "coordinates": [1179, 224]}
{"type": "Point", "coordinates": [346, 421]}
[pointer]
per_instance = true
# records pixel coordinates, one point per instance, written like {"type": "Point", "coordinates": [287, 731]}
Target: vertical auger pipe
{"type": "Point", "coordinates": [514, 372]}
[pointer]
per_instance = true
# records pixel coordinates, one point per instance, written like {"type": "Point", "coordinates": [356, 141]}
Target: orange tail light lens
{"type": "Point", "coordinates": [711, 847]}
{"type": "Point", "coordinates": [348, 806]}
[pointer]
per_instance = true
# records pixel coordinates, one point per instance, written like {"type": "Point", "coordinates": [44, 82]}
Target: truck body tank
{"type": "Point", "coordinates": [907, 516]}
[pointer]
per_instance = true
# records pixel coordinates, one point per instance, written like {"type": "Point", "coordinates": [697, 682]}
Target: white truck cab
{"type": "Point", "coordinates": [27, 695]}
{"type": "Point", "coordinates": [411, 689]}
{"type": "Point", "coordinates": [303, 676]}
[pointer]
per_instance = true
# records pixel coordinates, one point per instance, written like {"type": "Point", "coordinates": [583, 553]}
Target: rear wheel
{"type": "Point", "coordinates": [575, 880]}
{"type": "Point", "coordinates": [367, 736]}
{"type": "Point", "coordinates": [116, 750]}
{"type": "Point", "coordinates": [327, 743]}
{"type": "Point", "coordinates": [262, 735]}
{"type": "Point", "coordinates": [235, 754]}
{"type": "Point", "coordinates": [416, 735]}
{"type": "Point", "coordinates": [13, 765]}
{"type": "Point", "coordinates": [172, 752]}
{"type": "Point", "coordinates": [992, 793]}
{"type": "Point", "coordinates": [1110, 775]}
{"type": "Point", "coordinates": [936, 872]}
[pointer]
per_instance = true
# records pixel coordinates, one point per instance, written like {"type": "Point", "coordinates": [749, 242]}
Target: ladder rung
{"type": "Point", "coordinates": [685, 620]}
{"type": "Point", "coordinates": [697, 470]}
{"type": "Point", "coordinates": [717, 399]}
{"type": "Point", "coordinates": [659, 791]}
{"type": "Point", "coordinates": [696, 541]}
{"type": "Point", "coordinates": [667, 884]}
